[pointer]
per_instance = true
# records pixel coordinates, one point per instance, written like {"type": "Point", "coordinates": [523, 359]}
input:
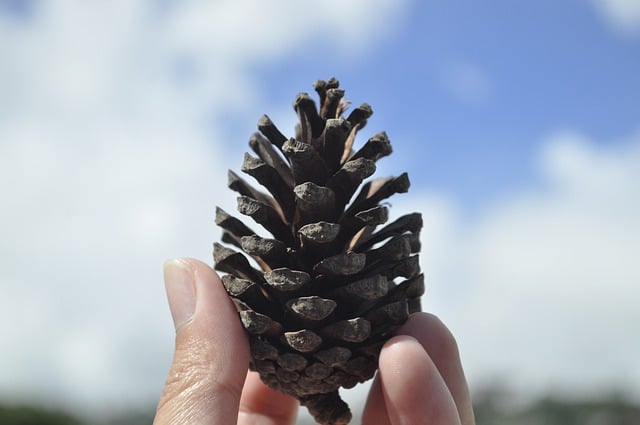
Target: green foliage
{"type": "Point", "coordinates": [491, 407]}
{"type": "Point", "coordinates": [30, 415]}
{"type": "Point", "coordinates": [608, 410]}
{"type": "Point", "coordinates": [612, 411]}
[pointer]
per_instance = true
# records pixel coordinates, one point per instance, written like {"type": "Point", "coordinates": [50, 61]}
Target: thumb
{"type": "Point", "coordinates": [211, 352]}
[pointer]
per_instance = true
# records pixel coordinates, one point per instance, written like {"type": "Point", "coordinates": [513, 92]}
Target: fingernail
{"type": "Point", "coordinates": [181, 292]}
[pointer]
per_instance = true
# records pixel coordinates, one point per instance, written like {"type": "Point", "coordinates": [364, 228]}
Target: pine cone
{"type": "Point", "coordinates": [331, 286]}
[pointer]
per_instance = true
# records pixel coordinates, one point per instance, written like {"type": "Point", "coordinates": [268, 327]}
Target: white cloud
{"type": "Point", "coordinates": [467, 82]}
{"type": "Point", "coordinates": [109, 165]}
{"type": "Point", "coordinates": [542, 290]}
{"type": "Point", "coordinates": [622, 15]}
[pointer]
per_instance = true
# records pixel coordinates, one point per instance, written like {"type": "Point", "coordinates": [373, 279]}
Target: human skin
{"type": "Point", "coordinates": [420, 378]}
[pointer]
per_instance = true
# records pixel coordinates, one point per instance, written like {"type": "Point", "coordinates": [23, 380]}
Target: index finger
{"type": "Point", "coordinates": [261, 405]}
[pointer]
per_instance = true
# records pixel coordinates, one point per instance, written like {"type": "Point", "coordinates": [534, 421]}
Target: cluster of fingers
{"type": "Point", "coordinates": [420, 381]}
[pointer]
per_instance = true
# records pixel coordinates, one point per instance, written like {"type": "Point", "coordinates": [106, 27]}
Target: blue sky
{"type": "Point", "coordinates": [468, 90]}
{"type": "Point", "coordinates": [517, 122]}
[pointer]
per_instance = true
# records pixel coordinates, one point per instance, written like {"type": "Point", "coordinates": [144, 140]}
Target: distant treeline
{"type": "Point", "coordinates": [490, 409]}
{"type": "Point", "coordinates": [38, 415]}
{"type": "Point", "coordinates": [610, 409]}
{"type": "Point", "coordinates": [34, 415]}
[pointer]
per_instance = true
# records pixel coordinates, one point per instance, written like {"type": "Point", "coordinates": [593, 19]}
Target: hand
{"type": "Point", "coordinates": [420, 379]}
